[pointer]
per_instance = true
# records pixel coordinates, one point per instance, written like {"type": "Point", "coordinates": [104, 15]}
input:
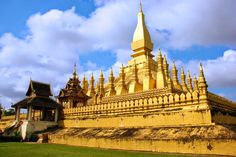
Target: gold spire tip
{"type": "Point", "coordinates": [201, 66]}
{"type": "Point", "coordinates": [140, 6]}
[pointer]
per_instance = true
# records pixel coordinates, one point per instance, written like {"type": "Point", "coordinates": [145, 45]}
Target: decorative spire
{"type": "Point", "coordinates": [183, 82]}
{"type": "Point", "coordinates": [91, 91]}
{"type": "Point", "coordinates": [122, 89]}
{"type": "Point", "coordinates": [122, 74]}
{"type": "Point", "coordinates": [98, 87]}
{"type": "Point", "coordinates": [140, 7]}
{"type": "Point", "coordinates": [160, 76]}
{"type": "Point", "coordinates": [166, 68]}
{"type": "Point", "coordinates": [134, 85]}
{"type": "Point", "coordinates": [101, 74]}
{"type": "Point", "coordinates": [195, 83]}
{"type": "Point", "coordinates": [141, 43]}
{"type": "Point", "coordinates": [111, 90]}
{"type": "Point", "coordinates": [159, 61]}
{"type": "Point", "coordinates": [111, 72]}
{"type": "Point", "coordinates": [135, 72]}
{"type": "Point", "coordinates": [201, 76]}
{"type": "Point", "coordinates": [189, 82]}
{"type": "Point", "coordinates": [175, 75]}
{"type": "Point", "coordinates": [169, 83]}
{"type": "Point", "coordinates": [85, 84]}
{"type": "Point", "coordinates": [202, 86]}
{"type": "Point", "coordinates": [75, 75]}
{"type": "Point", "coordinates": [202, 81]}
{"type": "Point", "coordinates": [101, 81]}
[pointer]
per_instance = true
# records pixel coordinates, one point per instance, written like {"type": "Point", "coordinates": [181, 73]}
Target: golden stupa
{"type": "Point", "coordinates": [146, 93]}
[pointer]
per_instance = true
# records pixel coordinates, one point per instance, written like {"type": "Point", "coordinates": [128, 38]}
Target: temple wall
{"type": "Point", "coordinates": [188, 118]}
{"type": "Point", "coordinates": [126, 105]}
{"type": "Point", "coordinates": [224, 119]}
{"type": "Point", "coordinates": [197, 146]}
{"type": "Point", "coordinates": [28, 127]}
{"type": "Point", "coordinates": [172, 110]}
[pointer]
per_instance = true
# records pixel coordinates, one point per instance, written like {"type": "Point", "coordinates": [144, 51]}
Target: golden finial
{"type": "Point", "coordinates": [159, 51]}
{"type": "Point", "coordinates": [200, 66]}
{"type": "Point", "coordinates": [159, 57]}
{"type": "Point", "coordinates": [140, 5]}
{"type": "Point", "coordinates": [194, 77]}
{"type": "Point", "coordinates": [195, 83]}
{"type": "Point", "coordinates": [75, 72]}
{"type": "Point", "coordinates": [74, 68]}
{"type": "Point", "coordinates": [101, 74]}
{"type": "Point", "coordinates": [201, 71]}
{"type": "Point", "coordinates": [188, 74]}
{"type": "Point", "coordinates": [173, 64]}
{"type": "Point", "coordinates": [111, 72]}
{"type": "Point", "coordinates": [189, 82]}
{"type": "Point", "coordinates": [201, 75]}
{"type": "Point", "coordinates": [182, 71]}
{"type": "Point", "coordinates": [164, 57]}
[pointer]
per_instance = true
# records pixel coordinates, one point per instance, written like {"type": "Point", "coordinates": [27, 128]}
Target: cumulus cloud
{"type": "Point", "coordinates": [56, 39]}
{"type": "Point", "coordinates": [219, 72]}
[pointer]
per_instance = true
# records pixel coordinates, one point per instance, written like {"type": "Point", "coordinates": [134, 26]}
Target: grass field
{"type": "Point", "coordinates": [56, 150]}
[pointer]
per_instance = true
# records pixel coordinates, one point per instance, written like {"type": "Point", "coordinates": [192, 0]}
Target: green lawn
{"type": "Point", "coordinates": [56, 150]}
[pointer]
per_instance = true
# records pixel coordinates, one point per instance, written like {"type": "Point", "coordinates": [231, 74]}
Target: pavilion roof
{"type": "Point", "coordinates": [39, 89]}
{"type": "Point", "coordinates": [38, 103]}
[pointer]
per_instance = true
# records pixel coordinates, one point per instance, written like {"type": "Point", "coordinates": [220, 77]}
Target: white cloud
{"type": "Point", "coordinates": [219, 72]}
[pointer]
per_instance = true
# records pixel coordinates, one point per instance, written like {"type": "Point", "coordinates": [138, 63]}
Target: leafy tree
{"type": "Point", "coordinates": [9, 112]}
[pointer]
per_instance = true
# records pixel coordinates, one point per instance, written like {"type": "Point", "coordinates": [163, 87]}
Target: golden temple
{"type": "Point", "coordinates": [149, 106]}
{"type": "Point", "coordinates": [146, 93]}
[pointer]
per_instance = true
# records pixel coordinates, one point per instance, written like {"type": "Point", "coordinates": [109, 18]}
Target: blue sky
{"type": "Point", "coordinates": [43, 39]}
{"type": "Point", "coordinates": [14, 13]}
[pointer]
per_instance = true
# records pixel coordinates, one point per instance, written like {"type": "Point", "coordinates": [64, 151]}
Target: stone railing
{"type": "Point", "coordinates": [171, 102]}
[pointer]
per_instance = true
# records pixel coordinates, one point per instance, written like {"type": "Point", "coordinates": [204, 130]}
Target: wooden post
{"type": "Point", "coordinates": [56, 114]}
{"type": "Point", "coordinates": [17, 114]}
{"type": "Point", "coordinates": [30, 113]}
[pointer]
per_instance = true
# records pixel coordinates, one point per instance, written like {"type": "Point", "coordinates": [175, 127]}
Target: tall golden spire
{"type": "Point", "coordinates": [175, 76]}
{"type": "Point", "coordinates": [202, 85]}
{"type": "Point", "coordinates": [91, 91]}
{"type": "Point", "coordinates": [134, 85]}
{"type": "Point", "coordinates": [183, 81]}
{"type": "Point", "coordinates": [160, 76]}
{"type": "Point", "coordinates": [141, 43]}
{"type": "Point", "coordinates": [111, 90]}
{"type": "Point", "coordinates": [166, 68]}
{"type": "Point", "coordinates": [122, 89]}
{"type": "Point", "coordinates": [85, 84]}
{"type": "Point", "coordinates": [134, 72]}
{"type": "Point", "coordinates": [101, 82]}
{"type": "Point", "coordinates": [195, 83]}
{"type": "Point", "coordinates": [189, 82]}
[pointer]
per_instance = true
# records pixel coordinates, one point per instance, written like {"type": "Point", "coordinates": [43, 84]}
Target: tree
{"type": "Point", "coordinates": [9, 112]}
